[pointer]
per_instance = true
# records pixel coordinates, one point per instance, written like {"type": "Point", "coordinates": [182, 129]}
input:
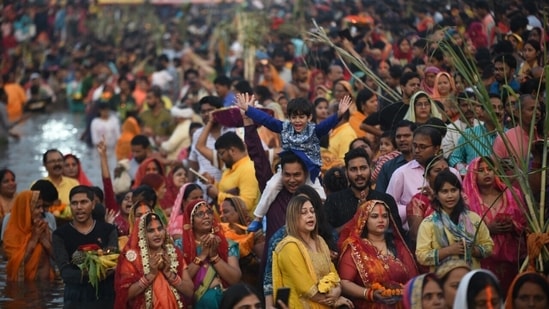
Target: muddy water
{"type": "Point", "coordinates": [59, 130]}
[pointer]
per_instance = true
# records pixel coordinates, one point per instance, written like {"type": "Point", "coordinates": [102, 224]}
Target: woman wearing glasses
{"type": "Point", "coordinates": [212, 260]}
{"type": "Point", "coordinates": [422, 108]}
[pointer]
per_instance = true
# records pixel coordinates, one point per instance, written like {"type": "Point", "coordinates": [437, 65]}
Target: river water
{"type": "Point", "coordinates": [61, 130]}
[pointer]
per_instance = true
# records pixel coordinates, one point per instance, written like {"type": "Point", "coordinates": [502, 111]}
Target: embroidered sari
{"type": "Point", "coordinates": [133, 263]}
{"type": "Point", "coordinates": [204, 295]}
{"type": "Point", "coordinates": [301, 270]}
{"type": "Point", "coordinates": [363, 264]}
{"type": "Point", "coordinates": [509, 247]}
{"type": "Point", "coordinates": [17, 235]}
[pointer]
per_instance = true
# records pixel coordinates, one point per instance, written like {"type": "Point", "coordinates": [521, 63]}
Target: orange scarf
{"type": "Point", "coordinates": [17, 236]}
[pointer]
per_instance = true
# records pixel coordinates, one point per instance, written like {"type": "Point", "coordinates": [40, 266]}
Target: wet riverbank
{"type": "Point", "coordinates": [61, 130]}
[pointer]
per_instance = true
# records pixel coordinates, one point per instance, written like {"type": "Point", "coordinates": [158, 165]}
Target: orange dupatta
{"type": "Point", "coordinates": [17, 236]}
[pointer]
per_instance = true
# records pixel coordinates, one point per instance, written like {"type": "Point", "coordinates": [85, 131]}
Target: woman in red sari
{"type": "Point", "coordinates": [373, 251]}
{"type": "Point", "coordinates": [151, 272]}
{"type": "Point", "coordinates": [501, 207]}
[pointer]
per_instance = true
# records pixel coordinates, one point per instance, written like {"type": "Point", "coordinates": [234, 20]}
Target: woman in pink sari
{"type": "Point", "coordinates": [500, 206]}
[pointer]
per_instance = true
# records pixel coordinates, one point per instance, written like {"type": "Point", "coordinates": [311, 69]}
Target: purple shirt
{"type": "Point", "coordinates": [276, 216]}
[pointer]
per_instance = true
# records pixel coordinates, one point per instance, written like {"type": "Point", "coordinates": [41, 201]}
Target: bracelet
{"type": "Point", "coordinates": [364, 293]}
{"type": "Point", "coordinates": [197, 261]}
{"type": "Point", "coordinates": [215, 259]}
{"type": "Point", "coordinates": [144, 282]}
{"type": "Point", "coordinates": [370, 295]}
{"type": "Point", "coordinates": [176, 281]}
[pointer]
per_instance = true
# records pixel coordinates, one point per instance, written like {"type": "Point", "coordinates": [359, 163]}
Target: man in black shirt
{"type": "Point", "coordinates": [341, 206]}
{"type": "Point", "coordinates": [388, 117]}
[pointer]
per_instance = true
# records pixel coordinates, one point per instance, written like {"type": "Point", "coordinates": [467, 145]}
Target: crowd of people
{"type": "Point", "coordinates": [352, 188]}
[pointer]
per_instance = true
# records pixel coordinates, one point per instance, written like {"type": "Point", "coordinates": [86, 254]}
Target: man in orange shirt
{"type": "Point", "coordinates": [16, 97]}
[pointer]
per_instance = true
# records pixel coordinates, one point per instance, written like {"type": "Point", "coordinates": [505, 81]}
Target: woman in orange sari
{"type": "Point", "coordinates": [374, 252]}
{"type": "Point", "coordinates": [130, 128]}
{"type": "Point", "coordinates": [27, 240]}
{"type": "Point", "coordinates": [151, 272]}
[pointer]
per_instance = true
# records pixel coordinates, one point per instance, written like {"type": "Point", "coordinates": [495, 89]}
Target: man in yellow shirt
{"type": "Point", "coordinates": [53, 162]}
{"type": "Point", "coordinates": [238, 178]}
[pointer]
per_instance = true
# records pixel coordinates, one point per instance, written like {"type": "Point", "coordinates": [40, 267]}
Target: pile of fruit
{"type": "Point", "coordinates": [95, 262]}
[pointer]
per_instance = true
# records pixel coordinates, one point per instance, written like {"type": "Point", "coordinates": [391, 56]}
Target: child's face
{"type": "Point", "coordinates": [299, 122]}
{"type": "Point", "coordinates": [385, 145]}
{"type": "Point", "coordinates": [322, 110]}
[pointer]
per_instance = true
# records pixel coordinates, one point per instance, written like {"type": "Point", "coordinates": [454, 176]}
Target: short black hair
{"type": "Point", "coordinates": [395, 71]}
{"type": "Point", "coordinates": [48, 192]}
{"type": "Point", "coordinates": [508, 59]}
{"type": "Point", "coordinates": [189, 72]}
{"type": "Point", "coordinates": [140, 140]}
{"type": "Point", "coordinates": [431, 132]}
{"type": "Point", "coordinates": [223, 81]}
{"type": "Point", "coordinates": [156, 92]}
{"type": "Point", "coordinates": [82, 189]}
{"type": "Point", "coordinates": [144, 194]}
{"type": "Point", "coordinates": [97, 192]}
{"type": "Point", "coordinates": [45, 155]}
{"type": "Point", "coordinates": [228, 140]}
{"type": "Point", "coordinates": [289, 157]}
{"type": "Point", "coordinates": [356, 153]}
{"type": "Point", "coordinates": [406, 77]}
{"type": "Point", "coordinates": [299, 106]}
{"type": "Point", "coordinates": [213, 100]}
{"type": "Point", "coordinates": [243, 86]}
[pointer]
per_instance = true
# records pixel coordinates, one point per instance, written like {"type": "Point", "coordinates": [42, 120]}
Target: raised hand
{"type": "Point", "coordinates": [243, 100]}
{"type": "Point", "coordinates": [102, 147]}
{"type": "Point", "coordinates": [344, 105]}
{"type": "Point", "coordinates": [110, 215]}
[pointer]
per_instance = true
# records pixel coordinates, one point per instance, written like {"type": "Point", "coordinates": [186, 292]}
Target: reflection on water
{"type": "Point", "coordinates": [59, 130]}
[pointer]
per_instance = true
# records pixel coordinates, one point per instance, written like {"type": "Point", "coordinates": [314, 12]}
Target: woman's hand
{"type": "Point", "coordinates": [500, 227]}
{"type": "Point", "coordinates": [214, 246]}
{"type": "Point", "coordinates": [456, 248]}
{"type": "Point", "coordinates": [342, 301]}
{"type": "Point", "coordinates": [388, 300]}
{"type": "Point", "coordinates": [167, 264]}
{"type": "Point", "coordinates": [110, 215]}
{"type": "Point", "coordinates": [344, 105]}
{"type": "Point", "coordinates": [156, 264]}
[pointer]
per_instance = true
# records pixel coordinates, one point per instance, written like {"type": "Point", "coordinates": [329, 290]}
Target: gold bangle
{"type": "Point", "coordinates": [215, 259]}
{"type": "Point", "coordinates": [197, 261]}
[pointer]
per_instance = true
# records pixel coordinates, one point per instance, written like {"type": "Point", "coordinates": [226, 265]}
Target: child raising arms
{"type": "Point", "coordinates": [299, 135]}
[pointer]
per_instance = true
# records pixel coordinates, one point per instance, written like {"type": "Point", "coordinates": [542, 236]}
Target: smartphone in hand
{"type": "Point", "coordinates": [282, 294]}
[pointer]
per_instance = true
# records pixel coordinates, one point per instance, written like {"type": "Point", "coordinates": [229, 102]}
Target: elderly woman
{"type": "Point", "coordinates": [501, 208]}
{"type": "Point", "coordinates": [451, 231]}
{"type": "Point", "coordinates": [424, 292]}
{"type": "Point", "coordinates": [212, 260]}
{"type": "Point", "coordinates": [151, 272]}
{"type": "Point", "coordinates": [27, 240]}
{"type": "Point", "coordinates": [302, 261]}
{"type": "Point", "coordinates": [374, 252]}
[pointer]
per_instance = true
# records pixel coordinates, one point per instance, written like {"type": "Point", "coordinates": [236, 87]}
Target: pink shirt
{"type": "Point", "coordinates": [405, 183]}
{"type": "Point", "coordinates": [518, 142]}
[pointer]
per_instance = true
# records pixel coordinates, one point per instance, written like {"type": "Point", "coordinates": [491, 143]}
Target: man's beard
{"type": "Point", "coordinates": [361, 188]}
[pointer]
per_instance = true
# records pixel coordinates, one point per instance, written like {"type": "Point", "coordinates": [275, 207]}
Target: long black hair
{"type": "Point", "coordinates": [443, 177]}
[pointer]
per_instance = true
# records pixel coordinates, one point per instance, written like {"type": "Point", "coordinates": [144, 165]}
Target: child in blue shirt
{"type": "Point", "coordinates": [300, 136]}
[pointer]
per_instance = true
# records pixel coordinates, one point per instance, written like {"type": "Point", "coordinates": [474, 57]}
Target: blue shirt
{"type": "Point", "coordinates": [475, 142]}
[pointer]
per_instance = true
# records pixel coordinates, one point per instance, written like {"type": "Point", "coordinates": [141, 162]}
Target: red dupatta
{"type": "Point", "coordinates": [370, 268]}
{"type": "Point", "coordinates": [133, 263]}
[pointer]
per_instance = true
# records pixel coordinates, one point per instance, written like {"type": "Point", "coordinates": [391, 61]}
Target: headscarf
{"type": "Point", "coordinates": [17, 236]}
{"type": "Point", "coordinates": [189, 244]}
{"type": "Point", "coordinates": [411, 113]}
{"type": "Point", "coordinates": [141, 171]}
{"type": "Point", "coordinates": [399, 54]}
{"type": "Point", "coordinates": [461, 294]}
{"type": "Point", "coordinates": [171, 190]}
{"type": "Point", "coordinates": [447, 267]}
{"type": "Point", "coordinates": [276, 83]}
{"type": "Point", "coordinates": [509, 207]}
{"type": "Point", "coordinates": [413, 291]}
{"type": "Point", "coordinates": [130, 128]}
{"type": "Point", "coordinates": [154, 181]}
{"type": "Point", "coordinates": [351, 235]}
{"type": "Point", "coordinates": [80, 176]}
{"type": "Point", "coordinates": [436, 95]}
{"type": "Point", "coordinates": [245, 240]}
{"type": "Point", "coordinates": [175, 225]}
{"type": "Point", "coordinates": [509, 299]}
{"type": "Point", "coordinates": [133, 264]}
{"type": "Point", "coordinates": [424, 85]}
